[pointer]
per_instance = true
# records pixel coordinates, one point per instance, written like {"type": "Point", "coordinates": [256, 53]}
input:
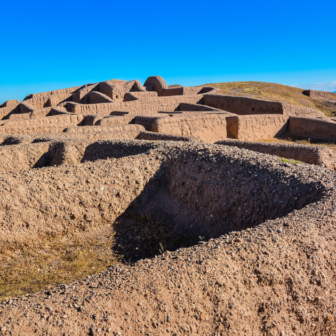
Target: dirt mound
{"type": "Point", "coordinates": [263, 267]}
{"type": "Point", "coordinates": [118, 216]}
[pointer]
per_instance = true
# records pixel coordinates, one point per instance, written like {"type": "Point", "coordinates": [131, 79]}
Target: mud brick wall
{"type": "Point", "coordinates": [316, 155]}
{"type": "Point", "coordinates": [208, 128]}
{"type": "Point", "coordinates": [256, 127]}
{"type": "Point", "coordinates": [316, 94]}
{"type": "Point", "coordinates": [248, 106]}
{"type": "Point", "coordinates": [150, 106]}
{"type": "Point", "coordinates": [312, 128]}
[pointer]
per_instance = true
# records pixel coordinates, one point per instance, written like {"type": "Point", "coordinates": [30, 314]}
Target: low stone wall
{"type": "Point", "coordinates": [148, 121]}
{"type": "Point", "coordinates": [81, 96]}
{"type": "Point", "coordinates": [63, 119]}
{"type": "Point", "coordinates": [208, 128]}
{"type": "Point", "coordinates": [242, 105]}
{"type": "Point", "coordinates": [106, 88]}
{"type": "Point", "coordinates": [16, 139]}
{"type": "Point", "coordinates": [316, 155]}
{"type": "Point", "coordinates": [95, 97]}
{"type": "Point", "coordinates": [316, 94]}
{"type": "Point", "coordinates": [155, 83]}
{"type": "Point", "coordinates": [177, 91]}
{"type": "Point", "coordinates": [10, 103]}
{"type": "Point", "coordinates": [187, 90]}
{"type": "Point", "coordinates": [312, 128]}
{"type": "Point", "coordinates": [130, 96]}
{"type": "Point", "coordinates": [50, 98]}
{"type": "Point", "coordinates": [165, 137]}
{"type": "Point", "coordinates": [66, 92]}
{"type": "Point", "coordinates": [116, 89]}
{"type": "Point", "coordinates": [33, 129]}
{"type": "Point", "coordinates": [39, 113]}
{"type": "Point", "coordinates": [141, 106]}
{"type": "Point", "coordinates": [74, 151]}
{"type": "Point", "coordinates": [47, 101]}
{"type": "Point", "coordinates": [190, 90]}
{"type": "Point", "coordinates": [248, 106]}
{"type": "Point", "coordinates": [254, 127]}
{"type": "Point", "coordinates": [114, 120]}
{"type": "Point", "coordinates": [26, 107]}
{"type": "Point", "coordinates": [113, 128]}
{"type": "Point", "coordinates": [301, 111]}
{"type": "Point", "coordinates": [193, 113]}
{"type": "Point", "coordinates": [6, 111]}
{"type": "Point", "coordinates": [186, 107]}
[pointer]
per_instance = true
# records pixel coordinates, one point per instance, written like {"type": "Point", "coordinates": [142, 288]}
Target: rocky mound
{"type": "Point", "coordinates": [118, 214]}
{"type": "Point", "coordinates": [256, 256]}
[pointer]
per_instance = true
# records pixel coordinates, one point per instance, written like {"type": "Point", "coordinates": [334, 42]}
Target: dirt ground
{"type": "Point", "coordinates": [272, 275]}
{"type": "Point", "coordinates": [123, 218]}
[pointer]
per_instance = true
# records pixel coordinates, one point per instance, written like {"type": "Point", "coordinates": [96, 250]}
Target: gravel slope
{"type": "Point", "coordinates": [275, 278]}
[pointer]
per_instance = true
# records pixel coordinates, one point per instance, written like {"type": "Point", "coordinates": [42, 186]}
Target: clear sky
{"type": "Point", "coordinates": [47, 45]}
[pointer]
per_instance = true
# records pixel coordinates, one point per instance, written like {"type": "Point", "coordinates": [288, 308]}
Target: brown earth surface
{"type": "Point", "coordinates": [118, 218]}
{"type": "Point", "coordinates": [265, 266]}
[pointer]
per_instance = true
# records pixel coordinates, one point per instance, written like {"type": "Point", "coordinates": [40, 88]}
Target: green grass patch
{"type": "Point", "coordinates": [289, 161]}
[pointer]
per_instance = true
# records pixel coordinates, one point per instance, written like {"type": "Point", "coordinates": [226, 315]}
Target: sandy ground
{"type": "Point", "coordinates": [275, 278]}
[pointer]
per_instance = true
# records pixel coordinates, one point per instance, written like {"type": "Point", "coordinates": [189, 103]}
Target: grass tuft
{"type": "Point", "coordinates": [289, 160]}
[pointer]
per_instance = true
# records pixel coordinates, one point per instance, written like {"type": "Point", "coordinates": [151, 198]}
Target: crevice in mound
{"type": "Point", "coordinates": [44, 161]}
{"type": "Point", "coordinates": [103, 150]}
{"type": "Point", "coordinates": [78, 151]}
{"type": "Point", "coordinates": [189, 200]}
{"type": "Point", "coordinates": [167, 198]}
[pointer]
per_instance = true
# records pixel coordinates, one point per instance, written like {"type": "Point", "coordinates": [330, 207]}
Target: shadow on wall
{"type": "Point", "coordinates": [60, 153]}
{"type": "Point", "coordinates": [45, 160]}
{"type": "Point", "coordinates": [190, 199]}
{"type": "Point", "coordinates": [103, 150]}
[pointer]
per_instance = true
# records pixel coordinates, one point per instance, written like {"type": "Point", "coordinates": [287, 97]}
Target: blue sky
{"type": "Point", "coordinates": [47, 45]}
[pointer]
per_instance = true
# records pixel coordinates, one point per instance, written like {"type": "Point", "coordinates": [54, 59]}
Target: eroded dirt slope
{"type": "Point", "coordinates": [272, 275]}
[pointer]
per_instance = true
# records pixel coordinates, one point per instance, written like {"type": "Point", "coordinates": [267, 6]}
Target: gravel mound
{"type": "Point", "coordinates": [255, 257]}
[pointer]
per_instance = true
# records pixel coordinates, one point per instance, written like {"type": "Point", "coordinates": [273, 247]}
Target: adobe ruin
{"type": "Point", "coordinates": [213, 232]}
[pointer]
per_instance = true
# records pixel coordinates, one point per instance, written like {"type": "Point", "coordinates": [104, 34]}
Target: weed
{"type": "Point", "coordinates": [289, 160]}
{"type": "Point", "coordinates": [161, 249]}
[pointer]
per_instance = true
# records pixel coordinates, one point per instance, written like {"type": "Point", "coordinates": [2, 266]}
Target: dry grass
{"type": "Point", "coordinates": [275, 92]}
{"type": "Point", "coordinates": [51, 262]}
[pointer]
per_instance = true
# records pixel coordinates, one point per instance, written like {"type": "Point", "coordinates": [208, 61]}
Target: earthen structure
{"type": "Point", "coordinates": [317, 94]}
{"type": "Point", "coordinates": [212, 232]}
